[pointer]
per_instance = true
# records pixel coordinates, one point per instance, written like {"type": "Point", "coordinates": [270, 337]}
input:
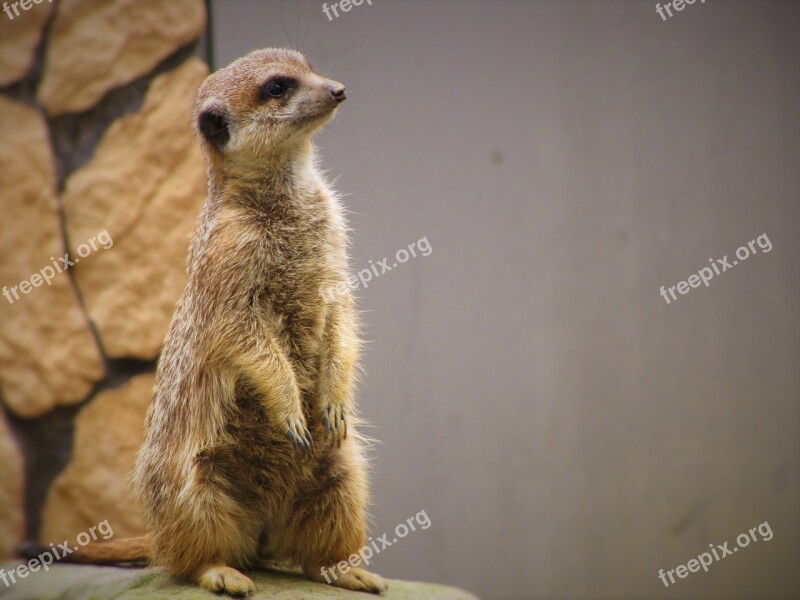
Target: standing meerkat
{"type": "Point", "coordinates": [250, 451]}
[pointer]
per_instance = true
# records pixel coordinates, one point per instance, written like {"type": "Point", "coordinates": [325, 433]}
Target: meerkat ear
{"type": "Point", "coordinates": [213, 124]}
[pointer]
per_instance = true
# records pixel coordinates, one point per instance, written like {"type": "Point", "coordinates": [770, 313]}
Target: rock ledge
{"type": "Point", "coordinates": [80, 582]}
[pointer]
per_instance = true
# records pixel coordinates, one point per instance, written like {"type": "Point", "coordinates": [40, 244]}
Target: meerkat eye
{"type": "Point", "coordinates": [276, 87]}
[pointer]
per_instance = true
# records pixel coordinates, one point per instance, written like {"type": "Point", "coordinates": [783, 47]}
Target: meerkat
{"type": "Point", "coordinates": [251, 451]}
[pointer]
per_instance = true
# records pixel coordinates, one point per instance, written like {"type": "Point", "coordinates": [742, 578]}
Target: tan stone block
{"type": "Point", "coordinates": [98, 45]}
{"type": "Point", "coordinates": [145, 186]}
{"type": "Point", "coordinates": [95, 486]}
{"type": "Point", "coordinates": [12, 516]}
{"type": "Point", "coordinates": [48, 355]}
{"type": "Point", "coordinates": [19, 38]}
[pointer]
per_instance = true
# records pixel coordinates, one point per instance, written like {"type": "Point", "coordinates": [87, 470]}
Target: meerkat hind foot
{"type": "Point", "coordinates": [355, 579]}
{"type": "Point", "coordinates": [220, 578]}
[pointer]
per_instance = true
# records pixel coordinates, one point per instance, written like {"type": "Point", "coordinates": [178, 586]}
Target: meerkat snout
{"type": "Point", "coordinates": [338, 91]}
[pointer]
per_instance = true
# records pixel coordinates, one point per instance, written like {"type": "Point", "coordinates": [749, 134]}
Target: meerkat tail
{"type": "Point", "coordinates": [126, 550]}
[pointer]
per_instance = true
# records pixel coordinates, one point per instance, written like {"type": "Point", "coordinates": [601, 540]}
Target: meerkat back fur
{"type": "Point", "coordinates": [251, 450]}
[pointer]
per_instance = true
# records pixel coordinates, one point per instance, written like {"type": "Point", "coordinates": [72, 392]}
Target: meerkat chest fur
{"type": "Point", "coordinates": [291, 243]}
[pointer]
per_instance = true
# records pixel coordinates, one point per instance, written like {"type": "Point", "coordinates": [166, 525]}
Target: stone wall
{"type": "Point", "coordinates": [98, 167]}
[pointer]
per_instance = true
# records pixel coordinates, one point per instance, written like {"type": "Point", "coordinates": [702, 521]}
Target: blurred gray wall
{"type": "Point", "coordinates": [566, 430]}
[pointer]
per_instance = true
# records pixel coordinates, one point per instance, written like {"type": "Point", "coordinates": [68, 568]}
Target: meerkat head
{"type": "Point", "coordinates": [262, 105]}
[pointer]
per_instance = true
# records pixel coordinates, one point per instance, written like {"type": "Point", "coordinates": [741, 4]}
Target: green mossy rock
{"type": "Point", "coordinates": [80, 582]}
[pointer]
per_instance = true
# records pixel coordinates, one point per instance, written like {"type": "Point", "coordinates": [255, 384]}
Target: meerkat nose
{"type": "Point", "coordinates": [338, 92]}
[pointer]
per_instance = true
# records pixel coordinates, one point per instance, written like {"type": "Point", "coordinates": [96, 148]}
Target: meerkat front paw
{"type": "Point", "coordinates": [299, 434]}
{"type": "Point", "coordinates": [335, 419]}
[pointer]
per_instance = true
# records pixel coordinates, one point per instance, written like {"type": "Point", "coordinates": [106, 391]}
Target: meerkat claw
{"type": "Point", "coordinates": [335, 421]}
{"type": "Point", "coordinates": [327, 421]}
{"type": "Point", "coordinates": [300, 436]}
